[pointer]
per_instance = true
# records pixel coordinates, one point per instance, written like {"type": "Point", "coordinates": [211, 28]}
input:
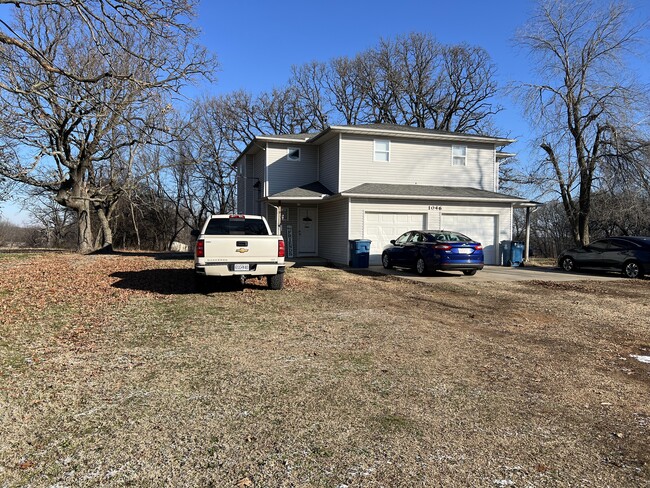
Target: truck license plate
{"type": "Point", "coordinates": [241, 267]}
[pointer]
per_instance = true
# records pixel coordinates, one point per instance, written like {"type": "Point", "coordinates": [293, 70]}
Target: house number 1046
{"type": "Point", "coordinates": [435, 207]}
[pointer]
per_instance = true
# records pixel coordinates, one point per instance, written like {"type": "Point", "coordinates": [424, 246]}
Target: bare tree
{"type": "Point", "coordinates": [88, 89]}
{"type": "Point", "coordinates": [108, 26]}
{"type": "Point", "coordinates": [584, 100]}
{"type": "Point", "coordinates": [55, 222]}
{"type": "Point", "coordinates": [345, 90]}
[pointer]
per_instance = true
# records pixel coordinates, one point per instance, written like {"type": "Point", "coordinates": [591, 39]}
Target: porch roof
{"type": "Point", "coordinates": [310, 191]}
{"type": "Point", "coordinates": [465, 193]}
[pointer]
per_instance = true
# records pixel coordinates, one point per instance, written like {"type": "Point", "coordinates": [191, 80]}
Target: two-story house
{"type": "Point", "coordinates": [375, 182]}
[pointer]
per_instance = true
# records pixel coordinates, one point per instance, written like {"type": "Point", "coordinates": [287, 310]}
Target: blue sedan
{"type": "Point", "coordinates": [431, 250]}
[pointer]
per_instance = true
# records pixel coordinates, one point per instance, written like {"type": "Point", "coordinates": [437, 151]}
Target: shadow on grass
{"type": "Point", "coordinates": [158, 255]}
{"type": "Point", "coordinates": [172, 281]}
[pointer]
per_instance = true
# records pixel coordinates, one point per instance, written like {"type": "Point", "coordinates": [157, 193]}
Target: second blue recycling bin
{"type": "Point", "coordinates": [512, 253]}
{"type": "Point", "coordinates": [360, 253]}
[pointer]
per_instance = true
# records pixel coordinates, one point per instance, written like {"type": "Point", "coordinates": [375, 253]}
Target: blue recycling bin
{"type": "Point", "coordinates": [512, 253]}
{"type": "Point", "coordinates": [360, 253]}
{"type": "Point", "coordinates": [517, 253]}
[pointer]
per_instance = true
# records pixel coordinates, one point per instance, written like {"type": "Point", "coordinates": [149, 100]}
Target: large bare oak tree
{"type": "Point", "coordinates": [585, 102]}
{"type": "Point", "coordinates": [83, 86]}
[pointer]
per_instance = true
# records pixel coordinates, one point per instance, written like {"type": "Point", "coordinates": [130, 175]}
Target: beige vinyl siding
{"type": "Point", "coordinates": [253, 201]}
{"type": "Point", "coordinates": [329, 164]}
{"type": "Point", "coordinates": [415, 162]}
{"type": "Point", "coordinates": [333, 231]}
{"type": "Point", "coordinates": [241, 189]}
{"type": "Point", "coordinates": [251, 193]}
{"type": "Point", "coordinates": [284, 174]}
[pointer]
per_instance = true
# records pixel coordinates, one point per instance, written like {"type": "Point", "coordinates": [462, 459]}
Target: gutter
{"type": "Point", "coordinates": [283, 199]}
{"type": "Point", "coordinates": [425, 197]}
{"type": "Point", "coordinates": [412, 135]}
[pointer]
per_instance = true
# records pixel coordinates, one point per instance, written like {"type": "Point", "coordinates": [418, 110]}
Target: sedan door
{"type": "Point", "coordinates": [618, 252]}
{"type": "Point", "coordinates": [398, 251]}
{"type": "Point", "coordinates": [413, 247]}
{"type": "Point", "coordinates": [593, 255]}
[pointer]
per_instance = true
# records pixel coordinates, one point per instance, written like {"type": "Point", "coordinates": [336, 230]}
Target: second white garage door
{"type": "Point", "coordinates": [481, 228]}
{"type": "Point", "coordinates": [381, 227]}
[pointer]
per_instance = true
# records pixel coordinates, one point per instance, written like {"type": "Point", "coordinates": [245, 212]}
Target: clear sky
{"type": "Point", "coordinates": [257, 41]}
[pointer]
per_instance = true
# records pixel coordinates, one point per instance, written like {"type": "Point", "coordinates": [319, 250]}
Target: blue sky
{"type": "Point", "coordinates": [257, 44]}
{"type": "Point", "coordinates": [258, 41]}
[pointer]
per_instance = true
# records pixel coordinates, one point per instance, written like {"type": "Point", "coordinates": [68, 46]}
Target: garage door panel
{"type": "Point", "coordinates": [381, 227]}
{"type": "Point", "coordinates": [481, 228]}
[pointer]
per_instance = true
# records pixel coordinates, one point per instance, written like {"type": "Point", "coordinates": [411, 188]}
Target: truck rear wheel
{"type": "Point", "coordinates": [200, 282]}
{"type": "Point", "coordinates": [276, 281]}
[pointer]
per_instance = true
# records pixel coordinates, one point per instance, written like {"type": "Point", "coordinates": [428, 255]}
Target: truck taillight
{"type": "Point", "coordinates": [280, 248]}
{"type": "Point", "coordinates": [200, 248]}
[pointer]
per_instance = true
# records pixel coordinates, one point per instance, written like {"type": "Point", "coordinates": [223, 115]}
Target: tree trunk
{"type": "Point", "coordinates": [107, 233]}
{"type": "Point", "coordinates": [85, 237]}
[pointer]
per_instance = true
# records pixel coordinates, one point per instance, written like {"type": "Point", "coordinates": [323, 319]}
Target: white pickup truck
{"type": "Point", "coordinates": [239, 246]}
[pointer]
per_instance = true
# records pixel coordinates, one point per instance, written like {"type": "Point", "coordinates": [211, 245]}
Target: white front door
{"type": "Point", "coordinates": [307, 226]}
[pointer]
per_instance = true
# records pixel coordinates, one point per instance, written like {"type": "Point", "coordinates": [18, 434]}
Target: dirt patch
{"type": "Point", "coordinates": [115, 371]}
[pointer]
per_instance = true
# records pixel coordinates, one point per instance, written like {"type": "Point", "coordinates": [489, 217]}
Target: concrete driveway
{"type": "Point", "coordinates": [500, 274]}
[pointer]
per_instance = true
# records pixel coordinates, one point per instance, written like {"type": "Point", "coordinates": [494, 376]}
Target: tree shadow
{"type": "Point", "coordinates": [172, 281]}
{"type": "Point", "coordinates": [158, 255]}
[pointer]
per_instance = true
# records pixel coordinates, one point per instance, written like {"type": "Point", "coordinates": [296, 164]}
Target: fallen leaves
{"type": "Point", "coordinates": [26, 464]}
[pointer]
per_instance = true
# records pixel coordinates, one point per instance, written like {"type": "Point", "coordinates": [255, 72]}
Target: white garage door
{"type": "Point", "coordinates": [381, 227]}
{"type": "Point", "coordinates": [481, 228]}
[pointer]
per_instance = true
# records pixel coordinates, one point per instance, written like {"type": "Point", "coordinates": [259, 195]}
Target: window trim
{"type": "Point", "coordinates": [290, 150]}
{"type": "Point", "coordinates": [454, 156]}
{"type": "Point", "coordinates": [375, 151]}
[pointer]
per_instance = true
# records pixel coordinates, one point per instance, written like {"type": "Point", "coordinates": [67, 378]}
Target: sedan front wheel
{"type": "Point", "coordinates": [568, 264]}
{"type": "Point", "coordinates": [632, 269]}
{"type": "Point", "coordinates": [385, 261]}
{"type": "Point", "coordinates": [421, 266]}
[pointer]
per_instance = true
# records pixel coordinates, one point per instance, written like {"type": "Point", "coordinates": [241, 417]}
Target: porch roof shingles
{"type": "Point", "coordinates": [455, 192]}
{"type": "Point", "coordinates": [310, 190]}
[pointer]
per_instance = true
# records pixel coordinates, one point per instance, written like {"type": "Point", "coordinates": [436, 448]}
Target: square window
{"type": "Point", "coordinates": [458, 155]}
{"type": "Point", "coordinates": [382, 150]}
{"type": "Point", "coordinates": [293, 154]}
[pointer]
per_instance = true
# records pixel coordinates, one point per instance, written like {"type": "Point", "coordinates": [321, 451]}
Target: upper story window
{"type": "Point", "coordinates": [293, 154]}
{"type": "Point", "coordinates": [382, 150]}
{"type": "Point", "coordinates": [459, 155]}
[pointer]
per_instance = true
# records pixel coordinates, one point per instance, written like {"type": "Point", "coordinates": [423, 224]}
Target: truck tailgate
{"type": "Point", "coordinates": [233, 249]}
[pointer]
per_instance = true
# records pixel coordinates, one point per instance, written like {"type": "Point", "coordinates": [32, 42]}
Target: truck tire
{"type": "Point", "coordinates": [275, 282]}
{"type": "Point", "coordinates": [200, 282]}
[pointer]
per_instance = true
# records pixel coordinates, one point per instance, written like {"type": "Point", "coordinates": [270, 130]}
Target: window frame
{"type": "Point", "coordinates": [463, 156]}
{"type": "Point", "coordinates": [386, 152]}
{"type": "Point", "coordinates": [292, 149]}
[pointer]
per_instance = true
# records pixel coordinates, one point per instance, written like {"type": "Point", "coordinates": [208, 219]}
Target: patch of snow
{"type": "Point", "coordinates": [643, 359]}
{"type": "Point", "coordinates": [503, 482]}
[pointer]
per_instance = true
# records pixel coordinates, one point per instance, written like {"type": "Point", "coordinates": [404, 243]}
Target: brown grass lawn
{"type": "Point", "coordinates": [114, 371]}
